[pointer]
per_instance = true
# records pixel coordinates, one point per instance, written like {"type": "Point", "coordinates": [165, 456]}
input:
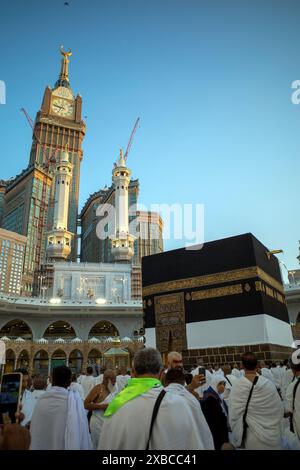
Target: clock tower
{"type": "Point", "coordinates": [59, 124]}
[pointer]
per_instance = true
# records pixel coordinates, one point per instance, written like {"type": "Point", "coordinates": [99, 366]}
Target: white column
{"type": "Point", "coordinates": [75, 286]}
{"type": "Point", "coordinates": [108, 286]}
{"type": "Point", "coordinates": [128, 286]}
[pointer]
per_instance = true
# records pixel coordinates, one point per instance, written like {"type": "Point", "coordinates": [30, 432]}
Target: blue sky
{"type": "Point", "coordinates": [211, 81]}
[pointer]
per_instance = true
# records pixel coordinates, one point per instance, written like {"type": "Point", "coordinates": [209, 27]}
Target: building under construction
{"type": "Point", "coordinates": [27, 202]}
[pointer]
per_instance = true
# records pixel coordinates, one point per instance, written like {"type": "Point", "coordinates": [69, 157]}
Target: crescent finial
{"type": "Point", "coordinates": [64, 53]}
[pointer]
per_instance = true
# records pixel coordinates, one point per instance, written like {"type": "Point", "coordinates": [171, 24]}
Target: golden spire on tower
{"type": "Point", "coordinates": [121, 161]}
{"type": "Point", "coordinates": [64, 72]}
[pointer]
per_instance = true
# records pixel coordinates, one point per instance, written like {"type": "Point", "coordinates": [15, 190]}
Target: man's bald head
{"type": "Point", "coordinates": [109, 375]}
{"type": "Point", "coordinates": [175, 360]}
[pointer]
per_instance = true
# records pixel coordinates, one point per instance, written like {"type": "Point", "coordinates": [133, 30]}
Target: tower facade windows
{"type": "Point", "coordinates": [12, 247]}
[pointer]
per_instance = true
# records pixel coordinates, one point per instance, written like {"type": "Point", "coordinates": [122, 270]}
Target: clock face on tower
{"type": "Point", "coordinates": [63, 92]}
{"type": "Point", "coordinates": [62, 107]}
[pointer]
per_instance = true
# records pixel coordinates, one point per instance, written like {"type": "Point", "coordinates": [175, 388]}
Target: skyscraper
{"type": "Point", "coordinates": [12, 249]}
{"type": "Point", "coordinates": [3, 185]}
{"type": "Point", "coordinates": [57, 124]}
{"type": "Point", "coordinates": [29, 199]}
{"type": "Point", "coordinates": [23, 207]}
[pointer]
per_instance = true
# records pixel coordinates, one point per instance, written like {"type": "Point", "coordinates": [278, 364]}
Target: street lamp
{"type": "Point", "coordinates": [124, 296]}
{"type": "Point", "coordinates": [113, 291]}
{"type": "Point", "coordinates": [292, 273]}
{"type": "Point", "coordinates": [41, 279]}
{"type": "Point", "coordinates": [55, 301]}
{"type": "Point", "coordinates": [44, 288]}
{"type": "Point", "coordinates": [84, 279]}
{"type": "Point", "coordinates": [81, 289]}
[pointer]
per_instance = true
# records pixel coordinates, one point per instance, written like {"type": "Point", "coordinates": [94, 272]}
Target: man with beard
{"type": "Point", "coordinates": [97, 401]}
{"type": "Point", "coordinates": [175, 360]}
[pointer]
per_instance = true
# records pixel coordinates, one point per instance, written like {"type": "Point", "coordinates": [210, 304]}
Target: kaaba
{"type": "Point", "coordinates": [216, 301]}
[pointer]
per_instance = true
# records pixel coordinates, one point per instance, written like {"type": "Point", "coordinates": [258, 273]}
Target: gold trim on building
{"type": "Point", "coordinates": [217, 292]}
{"type": "Point", "coordinates": [211, 279]}
{"type": "Point", "coordinates": [260, 287]}
{"type": "Point", "coordinates": [270, 280]}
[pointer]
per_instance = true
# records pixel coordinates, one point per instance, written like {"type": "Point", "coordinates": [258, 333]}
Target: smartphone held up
{"type": "Point", "coordinates": [10, 396]}
{"type": "Point", "coordinates": [201, 371]}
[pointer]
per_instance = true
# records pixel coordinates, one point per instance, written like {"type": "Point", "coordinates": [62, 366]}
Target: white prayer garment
{"type": "Point", "coordinates": [265, 372]}
{"type": "Point", "coordinates": [30, 406]}
{"type": "Point", "coordinates": [27, 407]}
{"type": "Point", "coordinates": [87, 382]}
{"type": "Point", "coordinates": [219, 371]}
{"type": "Point", "coordinates": [236, 373]}
{"type": "Point", "coordinates": [99, 379]}
{"type": "Point", "coordinates": [121, 382]}
{"type": "Point", "coordinates": [203, 428]}
{"type": "Point", "coordinates": [76, 387]}
{"type": "Point", "coordinates": [286, 379]}
{"type": "Point", "coordinates": [36, 394]}
{"type": "Point", "coordinates": [276, 371]}
{"type": "Point", "coordinates": [97, 420]}
{"type": "Point", "coordinates": [296, 412]}
{"type": "Point", "coordinates": [229, 381]}
{"type": "Point", "coordinates": [264, 417]}
{"type": "Point", "coordinates": [179, 425]}
{"type": "Point", "coordinates": [59, 422]}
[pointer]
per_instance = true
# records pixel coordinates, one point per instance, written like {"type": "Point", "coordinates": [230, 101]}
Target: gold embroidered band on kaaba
{"type": "Point", "coordinates": [217, 292]}
{"type": "Point", "coordinates": [212, 279]}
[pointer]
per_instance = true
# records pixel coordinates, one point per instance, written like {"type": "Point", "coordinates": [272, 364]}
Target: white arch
{"type": "Point", "coordinates": [58, 350]}
{"type": "Point", "coordinates": [56, 321]}
{"type": "Point", "coordinates": [39, 351]}
{"type": "Point", "coordinates": [103, 321]}
{"type": "Point", "coordinates": [5, 323]}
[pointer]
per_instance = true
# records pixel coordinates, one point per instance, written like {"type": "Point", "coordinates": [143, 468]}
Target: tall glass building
{"type": "Point", "coordinates": [22, 215]}
{"type": "Point", "coordinates": [12, 250]}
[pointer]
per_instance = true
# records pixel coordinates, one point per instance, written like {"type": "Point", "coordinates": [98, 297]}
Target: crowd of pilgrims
{"type": "Point", "coordinates": [161, 407]}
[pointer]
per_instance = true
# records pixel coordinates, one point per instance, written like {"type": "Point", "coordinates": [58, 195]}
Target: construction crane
{"type": "Point", "coordinates": [52, 158]}
{"type": "Point", "coordinates": [131, 138]}
{"type": "Point", "coordinates": [42, 212]}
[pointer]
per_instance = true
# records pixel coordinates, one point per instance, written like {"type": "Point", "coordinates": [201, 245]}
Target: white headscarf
{"type": "Point", "coordinates": [215, 380]}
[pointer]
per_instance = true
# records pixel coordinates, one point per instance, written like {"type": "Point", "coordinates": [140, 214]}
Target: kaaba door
{"type": "Point", "coordinates": [170, 322]}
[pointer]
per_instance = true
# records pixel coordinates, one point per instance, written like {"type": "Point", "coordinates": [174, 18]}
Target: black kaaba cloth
{"type": "Point", "coordinates": [232, 277]}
